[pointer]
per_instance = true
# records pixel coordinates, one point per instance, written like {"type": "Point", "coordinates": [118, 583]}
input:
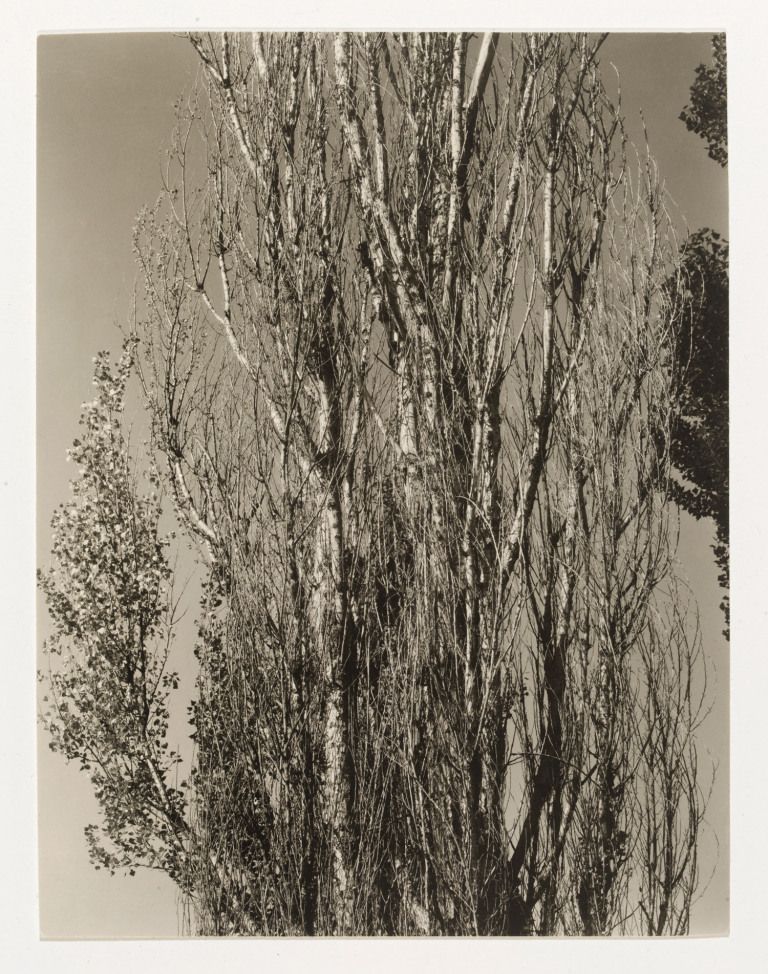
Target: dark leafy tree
{"type": "Point", "coordinates": [700, 432]}
{"type": "Point", "coordinates": [699, 450]}
{"type": "Point", "coordinates": [707, 113]}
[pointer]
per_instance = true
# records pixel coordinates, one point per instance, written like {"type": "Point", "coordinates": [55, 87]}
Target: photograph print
{"type": "Point", "coordinates": [383, 545]}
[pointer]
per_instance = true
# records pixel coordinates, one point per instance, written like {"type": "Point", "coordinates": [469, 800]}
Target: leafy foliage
{"type": "Point", "coordinates": [700, 434]}
{"type": "Point", "coordinates": [699, 448]}
{"type": "Point", "coordinates": [707, 114]}
{"type": "Point", "coordinates": [108, 597]}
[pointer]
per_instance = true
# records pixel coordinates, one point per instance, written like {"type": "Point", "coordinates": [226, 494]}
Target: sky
{"type": "Point", "coordinates": [105, 112]}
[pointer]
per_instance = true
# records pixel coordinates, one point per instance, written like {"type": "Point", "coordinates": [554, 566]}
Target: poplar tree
{"type": "Point", "coordinates": [406, 345]}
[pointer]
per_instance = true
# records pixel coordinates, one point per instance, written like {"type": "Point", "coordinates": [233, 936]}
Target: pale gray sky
{"type": "Point", "coordinates": [105, 106]}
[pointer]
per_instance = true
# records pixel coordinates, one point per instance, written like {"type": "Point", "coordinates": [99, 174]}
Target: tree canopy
{"type": "Point", "coordinates": [707, 113]}
{"type": "Point", "coordinates": [701, 433]}
{"type": "Point", "coordinates": [109, 599]}
{"type": "Point", "coordinates": [699, 450]}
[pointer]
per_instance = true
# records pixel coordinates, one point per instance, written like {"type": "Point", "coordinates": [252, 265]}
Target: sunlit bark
{"type": "Point", "coordinates": [403, 345]}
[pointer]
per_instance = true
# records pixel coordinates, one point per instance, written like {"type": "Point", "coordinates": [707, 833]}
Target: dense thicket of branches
{"type": "Point", "coordinates": [405, 344]}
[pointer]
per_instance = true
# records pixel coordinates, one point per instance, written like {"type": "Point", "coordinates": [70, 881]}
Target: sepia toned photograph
{"type": "Point", "coordinates": [383, 484]}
